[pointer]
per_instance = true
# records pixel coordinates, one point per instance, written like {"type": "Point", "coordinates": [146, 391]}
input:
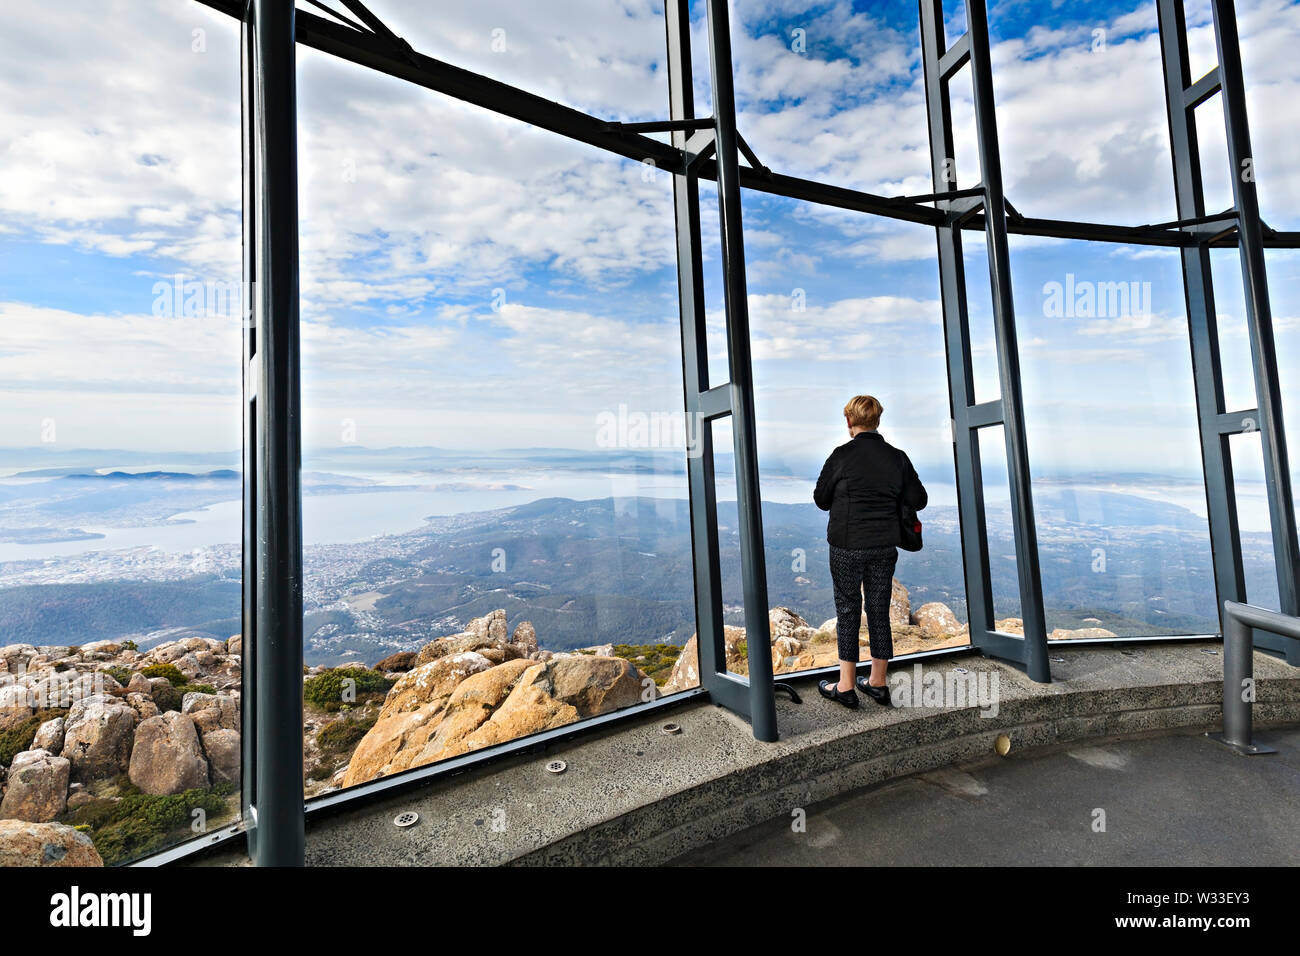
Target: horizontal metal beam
{"type": "Point", "coordinates": [715, 402]}
{"type": "Point", "coordinates": [1202, 89]}
{"type": "Point", "coordinates": [1236, 423]}
{"type": "Point", "coordinates": [955, 57]}
{"type": "Point", "coordinates": [377, 53]}
{"type": "Point", "coordinates": [984, 414]}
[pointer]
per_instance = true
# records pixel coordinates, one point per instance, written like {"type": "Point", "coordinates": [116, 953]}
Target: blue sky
{"type": "Point", "coordinates": [419, 215]}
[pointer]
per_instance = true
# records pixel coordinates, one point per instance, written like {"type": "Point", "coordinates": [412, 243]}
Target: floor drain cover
{"type": "Point", "coordinates": [557, 766]}
{"type": "Point", "coordinates": [406, 819]}
{"type": "Point", "coordinates": [671, 728]}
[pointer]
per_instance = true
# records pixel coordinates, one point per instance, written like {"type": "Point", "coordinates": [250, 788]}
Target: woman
{"type": "Point", "coordinates": [861, 486]}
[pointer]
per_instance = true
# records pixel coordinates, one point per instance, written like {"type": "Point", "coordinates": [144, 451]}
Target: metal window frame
{"type": "Point", "coordinates": [707, 148]}
{"type": "Point", "coordinates": [1182, 97]}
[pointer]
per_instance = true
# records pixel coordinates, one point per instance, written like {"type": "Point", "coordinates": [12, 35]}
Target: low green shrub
{"type": "Point", "coordinates": [140, 823]}
{"type": "Point", "coordinates": [169, 671]}
{"type": "Point", "coordinates": [326, 690]}
{"type": "Point", "coordinates": [20, 736]}
{"type": "Point", "coordinates": [120, 674]}
{"type": "Point", "coordinates": [342, 735]}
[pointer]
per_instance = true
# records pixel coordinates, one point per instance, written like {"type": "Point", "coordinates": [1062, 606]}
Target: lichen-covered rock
{"type": "Point", "coordinates": [37, 789]}
{"type": "Point", "coordinates": [97, 737]}
{"type": "Point", "coordinates": [167, 756]}
{"type": "Point", "coordinates": [429, 685]}
{"type": "Point", "coordinates": [45, 844]}
{"type": "Point", "coordinates": [936, 619]}
{"type": "Point", "coordinates": [212, 711]}
{"type": "Point", "coordinates": [49, 736]}
{"type": "Point", "coordinates": [1010, 625]}
{"type": "Point", "coordinates": [222, 748]}
{"type": "Point", "coordinates": [1080, 634]}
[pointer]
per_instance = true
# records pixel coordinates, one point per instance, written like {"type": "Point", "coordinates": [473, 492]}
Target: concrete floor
{"type": "Point", "coordinates": [1163, 799]}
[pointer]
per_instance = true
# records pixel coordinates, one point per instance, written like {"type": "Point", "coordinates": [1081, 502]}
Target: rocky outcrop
{"type": "Point", "coordinates": [114, 724]}
{"type": "Point", "coordinates": [45, 844]}
{"type": "Point", "coordinates": [167, 756]}
{"type": "Point", "coordinates": [36, 787]}
{"type": "Point", "coordinates": [1080, 634]}
{"type": "Point", "coordinates": [796, 646]}
{"type": "Point", "coordinates": [479, 688]}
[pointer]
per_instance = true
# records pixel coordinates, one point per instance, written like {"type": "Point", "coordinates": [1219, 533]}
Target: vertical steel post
{"type": "Point", "coordinates": [941, 62]}
{"type": "Point", "coordinates": [278, 837]}
{"type": "Point", "coordinates": [1237, 669]}
{"type": "Point", "coordinates": [695, 362]}
{"type": "Point", "coordinates": [1259, 318]}
{"type": "Point", "coordinates": [248, 549]}
{"type": "Point", "coordinates": [1217, 425]}
{"type": "Point", "coordinates": [753, 563]}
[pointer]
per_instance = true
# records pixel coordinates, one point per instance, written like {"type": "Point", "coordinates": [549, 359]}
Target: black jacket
{"type": "Point", "coordinates": [861, 485]}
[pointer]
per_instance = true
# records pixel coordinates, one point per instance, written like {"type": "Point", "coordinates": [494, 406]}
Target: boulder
{"type": "Point", "coordinates": [167, 756]}
{"type": "Point", "coordinates": [936, 619]}
{"type": "Point", "coordinates": [686, 669]}
{"type": "Point", "coordinates": [37, 788]}
{"type": "Point", "coordinates": [1080, 634]}
{"type": "Point", "coordinates": [400, 736]}
{"type": "Point", "coordinates": [143, 705]}
{"type": "Point", "coordinates": [45, 844]}
{"type": "Point", "coordinates": [223, 752]}
{"type": "Point", "coordinates": [15, 705]}
{"type": "Point", "coordinates": [97, 737]}
{"type": "Point", "coordinates": [212, 712]}
{"type": "Point", "coordinates": [49, 736]}
{"type": "Point", "coordinates": [1010, 625]}
{"type": "Point", "coordinates": [531, 707]}
{"type": "Point", "coordinates": [491, 627]}
{"type": "Point", "coordinates": [139, 684]}
{"type": "Point", "coordinates": [429, 685]}
{"type": "Point", "coordinates": [900, 604]}
{"type": "Point", "coordinates": [596, 685]}
{"type": "Point", "coordinates": [401, 661]}
{"type": "Point", "coordinates": [235, 644]}
{"type": "Point", "coordinates": [496, 651]}
{"type": "Point", "coordinates": [525, 639]}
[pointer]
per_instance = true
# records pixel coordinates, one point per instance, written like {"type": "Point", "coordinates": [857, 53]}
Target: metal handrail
{"type": "Point", "coordinates": [1238, 669]}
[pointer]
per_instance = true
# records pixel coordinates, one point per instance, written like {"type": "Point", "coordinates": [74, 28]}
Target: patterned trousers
{"type": "Point", "coordinates": [856, 574]}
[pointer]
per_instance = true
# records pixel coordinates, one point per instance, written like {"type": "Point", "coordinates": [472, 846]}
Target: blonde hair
{"type": "Point", "coordinates": [863, 411]}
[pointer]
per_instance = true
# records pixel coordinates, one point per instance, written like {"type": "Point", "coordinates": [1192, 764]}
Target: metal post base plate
{"type": "Point", "coordinates": [1246, 750]}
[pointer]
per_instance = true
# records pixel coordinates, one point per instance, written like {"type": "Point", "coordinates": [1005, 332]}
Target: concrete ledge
{"type": "Point", "coordinates": [636, 795]}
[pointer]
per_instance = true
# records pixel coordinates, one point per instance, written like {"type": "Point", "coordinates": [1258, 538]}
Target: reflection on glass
{"type": "Point", "coordinates": [496, 529]}
{"type": "Point", "coordinates": [1254, 521]}
{"type": "Point", "coordinates": [1119, 496]}
{"type": "Point", "coordinates": [842, 305]}
{"type": "Point", "coordinates": [120, 435]}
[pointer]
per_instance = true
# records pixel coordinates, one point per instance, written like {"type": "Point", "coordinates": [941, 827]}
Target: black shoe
{"type": "Point", "coordinates": [879, 694]}
{"type": "Point", "coordinates": [830, 689]}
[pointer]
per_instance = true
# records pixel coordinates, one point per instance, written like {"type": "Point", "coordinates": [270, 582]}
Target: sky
{"type": "Point", "coordinates": [469, 281]}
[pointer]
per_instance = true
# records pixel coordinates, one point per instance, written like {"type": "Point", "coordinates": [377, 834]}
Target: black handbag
{"type": "Point", "coordinates": [909, 525]}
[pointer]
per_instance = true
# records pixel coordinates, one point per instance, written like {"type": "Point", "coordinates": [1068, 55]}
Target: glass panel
{"type": "Point", "coordinates": [120, 426]}
{"type": "Point", "coordinates": [1119, 495]}
{"type": "Point", "coordinates": [1284, 280]}
{"type": "Point", "coordinates": [602, 58]}
{"type": "Point", "coordinates": [816, 86]}
{"type": "Point", "coordinates": [1254, 521]}
{"type": "Point", "coordinates": [842, 305]}
{"type": "Point", "coordinates": [1234, 343]}
{"type": "Point", "coordinates": [495, 519]}
{"type": "Point", "coordinates": [733, 587]}
{"type": "Point", "coordinates": [1001, 535]}
{"type": "Point", "coordinates": [1270, 33]}
{"type": "Point", "coordinates": [1081, 111]}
